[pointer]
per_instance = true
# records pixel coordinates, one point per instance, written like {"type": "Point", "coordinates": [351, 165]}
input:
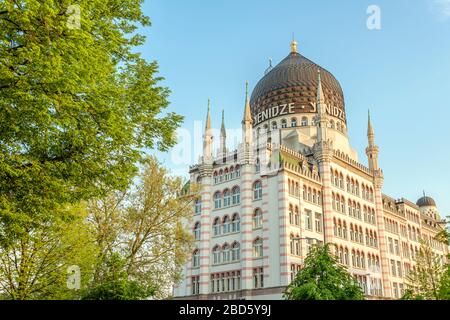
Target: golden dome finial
{"type": "Point", "coordinates": [294, 46]}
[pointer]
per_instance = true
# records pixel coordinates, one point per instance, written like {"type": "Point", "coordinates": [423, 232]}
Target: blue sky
{"type": "Point", "coordinates": [401, 72]}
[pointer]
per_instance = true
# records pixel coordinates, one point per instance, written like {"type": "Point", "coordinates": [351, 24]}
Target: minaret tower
{"type": "Point", "coordinates": [372, 149]}
{"type": "Point", "coordinates": [205, 172]}
{"type": "Point", "coordinates": [208, 138]}
{"type": "Point", "coordinates": [247, 177]}
{"type": "Point", "coordinates": [378, 179]}
{"type": "Point", "coordinates": [323, 152]}
{"type": "Point", "coordinates": [247, 131]}
{"type": "Point", "coordinates": [223, 137]}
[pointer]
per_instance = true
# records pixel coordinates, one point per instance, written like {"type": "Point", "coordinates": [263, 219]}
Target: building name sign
{"type": "Point", "coordinates": [291, 108]}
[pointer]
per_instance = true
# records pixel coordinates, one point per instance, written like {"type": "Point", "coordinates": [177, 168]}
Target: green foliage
{"type": "Point", "coordinates": [429, 280]}
{"type": "Point", "coordinates": [77, 107]}
{"type": "Point", "coordinates": [144, 227]}
{"type": "Point", "coordinates": [323, 278]}
{"type": "Point", "coordinates": [117, 285]}
{"type": "Point", "coordinates": [34, 266]}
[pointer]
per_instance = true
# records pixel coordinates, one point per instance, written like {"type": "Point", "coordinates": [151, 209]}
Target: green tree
{"type": "Point", "coordinates": [78, 106]}
{"type": "Point", "coordinates": [323, 278]}
{"type": "Point", "coordinates": [426, 280]}
{"type": "Point", "coordinates": [144, 226]}
{"type": "Point", "coordinates": [117, 284]}
{"type": "Point", "coordinates": [34, 266]}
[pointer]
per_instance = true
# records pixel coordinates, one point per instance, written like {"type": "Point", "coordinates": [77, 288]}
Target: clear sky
{"type": "Point", "coordinates": [401, 72]}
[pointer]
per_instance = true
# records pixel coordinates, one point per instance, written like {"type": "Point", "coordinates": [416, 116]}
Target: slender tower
{"type": "Point", "coordinates": [223, 138]}
{"type": "Point", "coordinates": [246, 162]}
{"type": "Point", "coordinates": [372, 155]}
{"type": "Point", "coordinates": [323, 152]}
{"type": "Point", "coordinates": [205, 170]}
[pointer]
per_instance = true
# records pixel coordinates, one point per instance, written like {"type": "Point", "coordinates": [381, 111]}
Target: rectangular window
{"type": "Point", "coordinates": [396, 246]}
{"type": "Point", "coordinates": [399, 269]}
{"type": "Point", "coordinates": [318, 223]}
{"type": "Point", "coordinates": [308, 219]}
{"type": "Point", "coordinates": [195, 283]}
{"type": "Point", "coordinates": [396, 290]}
{"type": "Point", "coordinates": [391, 246]}
{"type": "Point", "coordinates": [258, 278]}
{"type": "Point", "coordinates": [393, 268]}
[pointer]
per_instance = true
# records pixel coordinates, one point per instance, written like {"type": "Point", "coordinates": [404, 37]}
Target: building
{"type": "Point", "coordinates": [295, 181]}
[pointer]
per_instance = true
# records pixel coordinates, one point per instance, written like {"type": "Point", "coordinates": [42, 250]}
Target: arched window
{"type": "Point", "coordinates": [344, 230]}
{"type": "Point", "coordinates": [338, 125]}
{"type": "Point", "coordinates": [274, 125]}
{"type": "Point", "coordinates": [220, 175]}
{"type": "Point", "coordinates": [304, 122]}
{"type": "Point", "coordinates": [236, 194]}
{"type": "Point", "coordinates": [226, 225]}
{"type": "Point", "coordinates": [232, 173]}
{"type": "Point", "coordinates": [291, 244]}
{"type": "Point", "coordinates": [257, 190]}
{"type": "Point", "coordinates": [217, 200]}
{"type": "Point", "coordinates": [226, 198]}
{"type": "Point", "coordinates": [297, 216]}
{"type": "Point", "coordinates": [235, 251]}
{"type": "Point", "coordinates": [227, 174]}
{"type": "Point", "coordinates": [216, 254]}
{"type": "Point", "coordinates": [309, 194]}
{"type": "Point", "coordinates": [197, 231]}
{"type": "Point", "coordinates": [216, 226]}
{"type": "Point", "coordinates": [257, 219]}
{"type": "Point", "coordinates": [198, 206]}
{"type": "Point", "coordinates": [258, 248]}
{"type": "Point", "coordinates": [332, 124]}
{"type": "Point", "coordinates": [196, 258]}
{"type": "Point", "coordinates": [226, 253]}
{"type": "Point", "coordinates": [346, 256]}
{"type": "Point", "coordinates": [333, 198]}
{"type": "Point", "coordinates": [293, 122]}
{"type": "Point", "coordinates": [257, 166]}
{"type": "Point", "coordinates": [284, 123]}
{"type": "Point", "coordinates": [238, 171]}
{"type": "Point", "coordinates": [235, 223]}
{"type": "Point", "coordinates": [305, 196]}
{"type": "Point", "coordinates": [343, 205]}
{"type": "Point", "coordinates": [266, 128]}
{"type": "Point", "coordinates": [341, 181]}
{"type": "Point", "coordinates": [216, 177]}
{"type": "Point", "coordinates": [291, 214]}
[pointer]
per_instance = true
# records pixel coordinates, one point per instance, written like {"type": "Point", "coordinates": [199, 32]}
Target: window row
{"type": "Point", "coordinates": [356, 233]}
{"type": "Point", "coordinates": [358, 259]}
{"type": "Point", "coordinates": [226, 281]}
{"type": "Point", "coordinates": [227, 174]}
{"type": "Point", "coordinates": [351, 185]}
{"type": "Point", "coordinates": [226, 253]}
{"type": "Point", "coordinates": [229, 198]}
{"type": "Point", "coordinates": [226, 225]}
{"type": "Point", "coordinates": [413, 233]}
{"type": "Point", "coordinates": [391, 225]}
{"type": "Point", "coordinates": [412, 216]}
